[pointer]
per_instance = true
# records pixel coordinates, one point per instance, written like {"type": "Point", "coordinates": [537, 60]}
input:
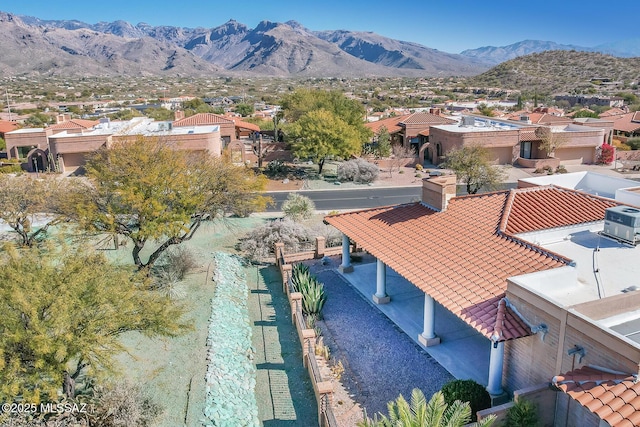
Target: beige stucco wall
{"type": "Point", "coordinates": [531, 360]}
{"type": "Point", "coordinates": [24, 139]}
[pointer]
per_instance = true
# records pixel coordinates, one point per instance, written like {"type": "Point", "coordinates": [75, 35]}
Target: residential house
{"type": "Point", "coordinates": [7, 126]}
{"type": "Point", "coordinates": [231, 128]}
{"type": "Point", "coordinates": [65, 145]}
{"type": "Point", "coordinates": [627, 125]}
{"type": "Point", "coordinates": [412, 130]}
{"type": "Point", "coordinates": [520, 141]}
{"type": "Point", "coordinates": [547, 274]}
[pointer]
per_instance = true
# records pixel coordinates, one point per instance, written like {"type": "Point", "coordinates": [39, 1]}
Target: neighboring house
{"type": "Point", "coordinates": [547, 274]}
{"type": "Point", "coordinates": [519, 141]}
{"type": "Point", "coordinates": [411, 130]}
{"type": "Point", "coordinates": [231, 128]}
{"type": "Point", "coordinates": [603, 101]}
{"type": "Point", "coordinates": [627, 125]}
{"type": "Point", "coordinates": [7, 126]}
{"type": "Point", "coordinates": [67, 143]}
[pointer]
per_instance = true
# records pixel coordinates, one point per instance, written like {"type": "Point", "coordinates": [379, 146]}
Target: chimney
{"type": "Point", "coordinates": [178, 115]}
{"type": "Point", "coordinates": [438, 190]}
{"type": "Point", "coordinates": [434, 111]}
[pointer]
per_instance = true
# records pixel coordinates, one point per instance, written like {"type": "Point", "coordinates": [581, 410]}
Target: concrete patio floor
{"type": "Point", "coordinates": [463, 351]}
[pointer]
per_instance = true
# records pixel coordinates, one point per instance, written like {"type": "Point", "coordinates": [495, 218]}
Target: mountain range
{"type": "Point", "coordinates": [32, 46]}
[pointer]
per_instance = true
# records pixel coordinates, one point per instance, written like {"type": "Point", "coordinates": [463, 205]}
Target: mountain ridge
{"type": "Point", "coordinates": [57, 47]}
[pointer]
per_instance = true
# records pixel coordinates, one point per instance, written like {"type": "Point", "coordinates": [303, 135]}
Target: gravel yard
{"type": "Point", "coordinates": [380, 360]}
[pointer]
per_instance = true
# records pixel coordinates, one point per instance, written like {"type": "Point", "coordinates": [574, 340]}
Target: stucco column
{"type": "Point", "coordinates": [428, 336]}
{"type": "Point", "coordinates": [381, 297]}
{"type": "Point", "coordinates": [496, 360]}
{"type": "Point", "coordinates": [346, 266]}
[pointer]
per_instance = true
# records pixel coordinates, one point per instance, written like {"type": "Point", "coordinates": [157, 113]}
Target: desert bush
{"type": "Point", "coordinates": [115, 404]}
{"type": "Point", "coordinates": [358, 170]}
{"type": "Point", "coordinates": [276, 168]}
{"type": "Point", "coordinates": [561, 169]}
{"type": "Point", "coordinates": [123, 404]}
{"type": "Point", "coordinates": [179, 261]}
{"type": "Point", "coordinates": [419, 167]}
{"type": "Point", "coordinates": [298, 207]}
{"type": "Point", "coordinates": [332, 236]}
{"type": "Point", "coordinates": [467, 391]}
{"type": "Point", "coordinates": [259, 243]}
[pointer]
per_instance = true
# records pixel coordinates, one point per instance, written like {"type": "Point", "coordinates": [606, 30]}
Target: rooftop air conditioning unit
{"type": "Point", "coordinates": [622, 223]}
{"type": "Point", "coordinates": [468, 121]}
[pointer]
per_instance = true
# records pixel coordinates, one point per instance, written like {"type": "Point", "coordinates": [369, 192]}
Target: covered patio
{"type": "Point", "coordinates": [463, 351]}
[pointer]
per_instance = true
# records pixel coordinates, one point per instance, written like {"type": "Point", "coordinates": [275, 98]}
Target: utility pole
{"type": "Point", "coordinates": [8, 105]}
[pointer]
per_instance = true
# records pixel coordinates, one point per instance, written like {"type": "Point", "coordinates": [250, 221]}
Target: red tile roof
{"type": "Point", "coordinates": [612, 112]}
{"type": "Point", "coordinates": [74, 124]}
{"type": "Point", "coordinates": [426, 119]}
{"type": "Point", "coordinates": [7, 126]}
{"type": "Point", "coordinates": [392, 124]}
{"type": "Point", "coordinates": [539, 208]}
{"type": "Point", "coordinates": [462, 256]}
{"type": "Point", "coordinates": [247, 125]}
{"type": "Point", "coordinates": [202, 119]}
{"type": "Point", "coordinates": [615, 398]}
{"type": "Point", "coordinates": [629, 122]}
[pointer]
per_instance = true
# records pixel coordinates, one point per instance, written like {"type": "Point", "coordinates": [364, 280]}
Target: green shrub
{"type": "Point", "coordinates": [634, 143]}
{"type": "Point", "coordinates": [561, 169]}
{"type": "Point", "coordinates": [522, 414]}
{"type": "Point", "coordinates": [276, 168]}
{"type": "Point", "coordinates": [13, 168]}
{"type": "Point", "coordinates": [298, 207]}
{"type": "Point", "coordinates": [467, 391]}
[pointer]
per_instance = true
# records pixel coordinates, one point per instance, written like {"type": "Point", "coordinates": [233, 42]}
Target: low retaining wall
{"type": "Point", "coordinates": [541, 395]}
{"type": "Point", "coordinates": [323, 389]}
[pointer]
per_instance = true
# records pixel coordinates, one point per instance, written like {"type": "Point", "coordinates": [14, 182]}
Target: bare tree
{"type": "Point", "coordinates": [400, 156]}
{"type": "Point", "coordinates": [551, 138]}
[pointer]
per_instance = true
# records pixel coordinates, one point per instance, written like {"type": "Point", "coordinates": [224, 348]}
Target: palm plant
{"type": "Point", "coordinates": [420, 413]}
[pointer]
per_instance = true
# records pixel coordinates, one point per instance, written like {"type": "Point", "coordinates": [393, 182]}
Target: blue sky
{"type": "Point", "coordinates": [450, 26]}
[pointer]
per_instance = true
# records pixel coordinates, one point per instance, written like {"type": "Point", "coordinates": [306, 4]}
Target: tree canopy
{"type": "Point", "coordinates": [324, 124]}
{"type": "Point", "coordinates": [472, 166]}
{"type": "Point", "coordinates": [151, 192]}
{"type": "Point", "coordinates": [25, 201]}
{"type": "Point", "coordinates": [321, 134]}
{"type": "Point", "coordinates": [63, 311]}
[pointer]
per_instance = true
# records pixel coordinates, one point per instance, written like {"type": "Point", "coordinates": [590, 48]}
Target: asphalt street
{"type": "Point", "coordinates": [336, 199]}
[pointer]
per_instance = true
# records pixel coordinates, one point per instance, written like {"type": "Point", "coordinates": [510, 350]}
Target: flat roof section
{"type": "Point", "coordinates": [603, 266]}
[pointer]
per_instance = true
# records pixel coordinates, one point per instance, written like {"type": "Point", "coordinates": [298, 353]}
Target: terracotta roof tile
{"type": "Point", "coordinates": [392, 124]}
{"type": "Point", "coordinates": [202, 119]}
{"type": "Point", "coordinates": [529, 209]}
{"type": "Point", "coordinates": [629, 122]}
{"type": "Point", "coordinates": [74, 124]}
{"type": "Point", "coordinates": [613, 397]}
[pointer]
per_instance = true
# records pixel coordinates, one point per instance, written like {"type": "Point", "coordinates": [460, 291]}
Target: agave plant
{"type": "Point", "coordinates": [299, 274]}
{"type": "Point", "coordinates": [313, 297]}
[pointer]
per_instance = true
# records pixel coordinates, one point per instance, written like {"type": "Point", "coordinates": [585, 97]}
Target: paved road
{"type": "Point", "coordinates": [327, 200]}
